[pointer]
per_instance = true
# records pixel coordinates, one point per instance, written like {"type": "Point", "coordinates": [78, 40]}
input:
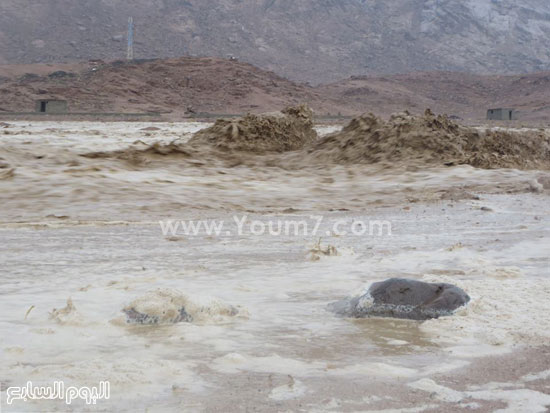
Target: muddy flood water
{"type": "Point", "coordinates": [82, 238]}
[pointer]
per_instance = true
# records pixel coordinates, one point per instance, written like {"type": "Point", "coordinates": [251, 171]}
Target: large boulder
{"type": "Point", "coordinates": [403, 298]}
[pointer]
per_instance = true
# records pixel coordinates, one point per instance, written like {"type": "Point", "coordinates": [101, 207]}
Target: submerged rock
{"type": "Point", "coordinates": [403, 298]}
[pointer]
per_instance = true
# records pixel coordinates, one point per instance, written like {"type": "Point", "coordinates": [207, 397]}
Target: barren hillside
{"type": "Point", "coordinates": [306, 40]}
{"type": "Point", "coordinates": [221, 86]}
{"type": "Point", "coordinates": [173, 86]}
{"type": "Point", "coordinates": [464, 95]}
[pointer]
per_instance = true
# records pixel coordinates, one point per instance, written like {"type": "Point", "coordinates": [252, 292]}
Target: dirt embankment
{"type": "Point", "coordinates": [231, 142]}
{"type": "Point", "coordinates": [288, 130]}
{"type": "Point", "coordinates": [431, 140]}
{"type": "Point", "coordinates": [288, 139]}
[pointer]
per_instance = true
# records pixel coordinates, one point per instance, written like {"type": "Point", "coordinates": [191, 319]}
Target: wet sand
{"type": "Point", "coordinates": [90, 232]}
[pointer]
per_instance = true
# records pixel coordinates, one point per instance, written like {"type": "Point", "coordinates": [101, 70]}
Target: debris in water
{"type": "Point", "coordinates": [170, 306]}
{"type": "Point", "coordinates": [175, 239]}
{"type": "Point", "coordinates": [319, 251]}
{"type": "Point", "coordinates": [66, 314]}
{"type": "Point", "coordinates": [29, 311]}
{"type": "Point", "coordinates": [457, 246]}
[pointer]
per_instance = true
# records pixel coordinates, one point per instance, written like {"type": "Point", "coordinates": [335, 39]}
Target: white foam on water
{"type": "Point", "coordinates": [543, 375]}
{"type": "Point", "coordinates": [294, 390]}
{"type": "Point", "coordinates": [235, 363]}
{"type": "Point", "coordinates": [375, 369]}
{"type": "Point", "coordinates": [442, 393]}
{"type": "Point", "coordinates": [503, 312]}
{"type": "Point", "coordinates": [418, 409]}
{"type": "Point", "coordinates": [518, 400]}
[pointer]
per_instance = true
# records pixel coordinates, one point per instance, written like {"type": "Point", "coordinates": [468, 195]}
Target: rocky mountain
{"type": "Point", "coordinates": [304, 40]}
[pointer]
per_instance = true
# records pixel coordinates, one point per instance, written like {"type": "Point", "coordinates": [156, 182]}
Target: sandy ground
{"type": "Point", "coordinates": [88, 229]}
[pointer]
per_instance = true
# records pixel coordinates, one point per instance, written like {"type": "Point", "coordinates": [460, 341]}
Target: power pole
{"type": "Point", "coordinates": [130, 55]}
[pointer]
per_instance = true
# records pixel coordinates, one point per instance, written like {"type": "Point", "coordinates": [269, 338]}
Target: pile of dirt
{"type": "Point", "coordinates": [229, 141]}
{"type": "Point", "coordinates": [503, 149]}
{"type": "Point", "coordinates": [429, 139]}
{"type": "Point", "coordinates": [402, 141]}
{"type": "Point", "coordinates": [288, 130]}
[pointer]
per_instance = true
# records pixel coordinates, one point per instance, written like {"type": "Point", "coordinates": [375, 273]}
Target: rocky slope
{"type": "Point", "coordinates": [461, 95]}
{"type": "Point", "coordinates": [169, 86]}
{"type": "Point", "coordinates": [177, 87]}
{"type": "Point", "coordinates": [306, 40]}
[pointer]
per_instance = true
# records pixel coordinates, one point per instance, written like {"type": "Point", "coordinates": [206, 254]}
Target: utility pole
{"type": "Point", "coordinates": [130, 55]}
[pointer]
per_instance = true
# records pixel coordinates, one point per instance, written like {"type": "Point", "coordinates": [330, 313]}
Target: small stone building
{"type": "Point", "coordinates": [501, 114]}
{"type": "Point", "coordinates": [51, 106]}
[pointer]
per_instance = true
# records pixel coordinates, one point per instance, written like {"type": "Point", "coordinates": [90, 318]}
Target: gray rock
{"type": "Point", "coordinates": [59, 74]}
{"type": "Point", "coordinates": [135, 317]}
{"type": "Point", "coordinates": [403, 298]}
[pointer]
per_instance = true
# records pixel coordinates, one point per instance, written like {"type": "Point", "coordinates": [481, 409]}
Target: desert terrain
{"type": "Point", "coordinates": [191, 87]}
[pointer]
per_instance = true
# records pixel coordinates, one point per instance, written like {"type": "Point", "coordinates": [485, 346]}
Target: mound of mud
{"type": "Point", "coordinates": [406, 299]}
{"type": "Point", "coordinates": [169, 306]}
{"type": "Point", "coordinates": [228, 140]}
{"type": "Point", "coordinates": [288, 130]}
{"type": "Point", "coordinates": [430, 139]}
{"type": "Point", "coordinates": [502, 149]}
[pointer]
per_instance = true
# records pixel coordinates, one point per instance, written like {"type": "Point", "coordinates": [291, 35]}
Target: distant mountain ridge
{"type": "Point", "coordinates": [304, 40]}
